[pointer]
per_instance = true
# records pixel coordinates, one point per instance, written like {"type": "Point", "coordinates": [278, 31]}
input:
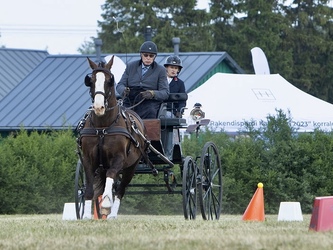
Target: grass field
{"type": "Point", "coordinates": [158, 232]}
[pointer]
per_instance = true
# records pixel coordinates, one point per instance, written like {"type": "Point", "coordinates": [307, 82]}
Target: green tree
{"type": "Point", "coordinates": [242, 25]}
{"type": "Point", "coordinates": [296, 36]}
{"type": "Point", "coordinates": [312, 46]}
{"type": "Point", "coordinates": [88, 47]}
{"type": "Point", "coordinates": [125, 22]}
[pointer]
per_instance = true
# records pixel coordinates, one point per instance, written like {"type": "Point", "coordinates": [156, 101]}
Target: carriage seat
{"type": "Point", "coordinates": [153, 129]}
{"type": "Point", "coordinates": [153, 134]}
{"type": "Point", "coordinates": [162, 114]}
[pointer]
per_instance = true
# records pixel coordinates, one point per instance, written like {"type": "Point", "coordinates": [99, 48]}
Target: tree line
{"type": "Point", "coordinates": [296, 36]}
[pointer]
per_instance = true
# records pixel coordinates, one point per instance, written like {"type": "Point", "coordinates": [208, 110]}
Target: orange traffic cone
{"type": "Point", "coordinates": [255, 210]}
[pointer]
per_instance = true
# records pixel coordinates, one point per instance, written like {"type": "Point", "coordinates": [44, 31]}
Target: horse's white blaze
{"type": "Point", "coordinates": [107, 200]}
{"type": "Point", "coordinates": [99, 99]}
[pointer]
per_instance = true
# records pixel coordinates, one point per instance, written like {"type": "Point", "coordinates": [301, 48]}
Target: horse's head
{"type": "Point", "coordinates": [102, 89]}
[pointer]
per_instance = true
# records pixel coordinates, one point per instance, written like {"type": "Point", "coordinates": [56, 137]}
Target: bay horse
{"type": "Point", "coordinates": [112, 141]}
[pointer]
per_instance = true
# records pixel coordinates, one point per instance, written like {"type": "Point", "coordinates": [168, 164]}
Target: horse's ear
{"type": "Point", "coordinates": [92, 64]}
{"type": "Point", "coordinates": [110, 63]}
{"type": "Point", "coordinates": [87, 80]}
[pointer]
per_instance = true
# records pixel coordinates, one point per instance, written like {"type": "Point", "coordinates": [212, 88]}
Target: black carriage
{"type": "Point", "coordinates": [201, 176]}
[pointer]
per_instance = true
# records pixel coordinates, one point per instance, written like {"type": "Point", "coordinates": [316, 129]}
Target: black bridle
{"type": "Point", "coordinates": [110, 82]}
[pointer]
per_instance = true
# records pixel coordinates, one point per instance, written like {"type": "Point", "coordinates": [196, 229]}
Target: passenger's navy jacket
{"type": "Point", "coordinates": [177, 86]}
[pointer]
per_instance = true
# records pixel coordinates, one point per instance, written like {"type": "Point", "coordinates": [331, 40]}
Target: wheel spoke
{"type": "Point", "coordinates": [80, 188]}
{"type": "Point", "coordinates": [189, 189]}
{"type": "Point", "coordinates": [210, 183]}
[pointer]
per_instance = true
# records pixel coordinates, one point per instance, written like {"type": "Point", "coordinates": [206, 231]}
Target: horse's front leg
{"type": "Point", "coordinates": [107, 197]}
{"type": "Point", "coordinates": [110, 207]}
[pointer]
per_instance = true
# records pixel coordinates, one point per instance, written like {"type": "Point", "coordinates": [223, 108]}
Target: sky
{"type": "Point", "coordinates": [58, 26]}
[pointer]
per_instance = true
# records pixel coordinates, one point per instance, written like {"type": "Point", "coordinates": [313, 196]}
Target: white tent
{"type": "Point", "coordinates": [229, 100]}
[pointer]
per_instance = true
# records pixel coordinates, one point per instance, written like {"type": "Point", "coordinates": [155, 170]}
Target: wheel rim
{"type": "Point", "coordinates": [80, 189]}
{"type": "Point", "coordinates": [189, 188]}
{"type": "Point", "coordinates": [210, 183]}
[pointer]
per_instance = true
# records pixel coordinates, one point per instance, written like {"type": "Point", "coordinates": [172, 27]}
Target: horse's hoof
{"type": "Point", "coordinates": [106, 202]}
{"type": "Point", "coordinates": [105, 211]}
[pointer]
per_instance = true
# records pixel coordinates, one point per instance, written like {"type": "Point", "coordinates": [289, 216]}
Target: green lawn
{"type": "Point", "coordinates": [158, 232]}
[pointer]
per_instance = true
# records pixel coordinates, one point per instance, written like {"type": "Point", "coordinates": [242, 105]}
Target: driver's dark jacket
{"type": "Point", "coordinates": [155, 79]}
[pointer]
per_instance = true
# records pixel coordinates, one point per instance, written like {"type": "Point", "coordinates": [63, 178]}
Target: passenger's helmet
{"type": "Point", "coordinates": [175, 61]}
{"type": "Point", "coordinates": [148, 47]}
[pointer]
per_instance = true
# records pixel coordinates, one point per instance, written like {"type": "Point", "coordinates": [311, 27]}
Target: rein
{"type": "Point", "coordinates": [108, 109]}
{"type": "Point", "coordinates": [133, 106]}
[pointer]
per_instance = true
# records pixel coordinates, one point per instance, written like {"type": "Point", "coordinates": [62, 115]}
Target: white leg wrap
{"type": "Point", "coordinates": [87, 215]}
{"type": "Point", "coordinates": [114, 209]}
{"type": "Point", "coordinates": [107, 199]}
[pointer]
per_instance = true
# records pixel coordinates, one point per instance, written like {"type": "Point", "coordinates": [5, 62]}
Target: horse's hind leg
{"type": "Point", "coordinates": [89, 193]}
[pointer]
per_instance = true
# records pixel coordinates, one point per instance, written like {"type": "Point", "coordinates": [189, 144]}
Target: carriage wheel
{"type": "Point", "coordinates": [80, 189]}
{"type": "Point", "coordinates": [189, 188]}
{"type": "Point", "coordinates": [210, 182]}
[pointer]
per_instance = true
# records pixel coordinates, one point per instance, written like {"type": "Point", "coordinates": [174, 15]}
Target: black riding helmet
{"type": "Point", "coordinates": [148, 47]}
{"type": "Point", "coordinates": [175, 61]}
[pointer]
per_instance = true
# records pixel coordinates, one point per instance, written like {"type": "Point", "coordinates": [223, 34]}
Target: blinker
{"type": "Point", "coordinates": [87, 80]}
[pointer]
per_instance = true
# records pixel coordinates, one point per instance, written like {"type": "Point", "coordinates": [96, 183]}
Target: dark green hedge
{"type": "Point", "coordinates": [292, 166]}
{"type": "Point", "coordinates": [37, 170]}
